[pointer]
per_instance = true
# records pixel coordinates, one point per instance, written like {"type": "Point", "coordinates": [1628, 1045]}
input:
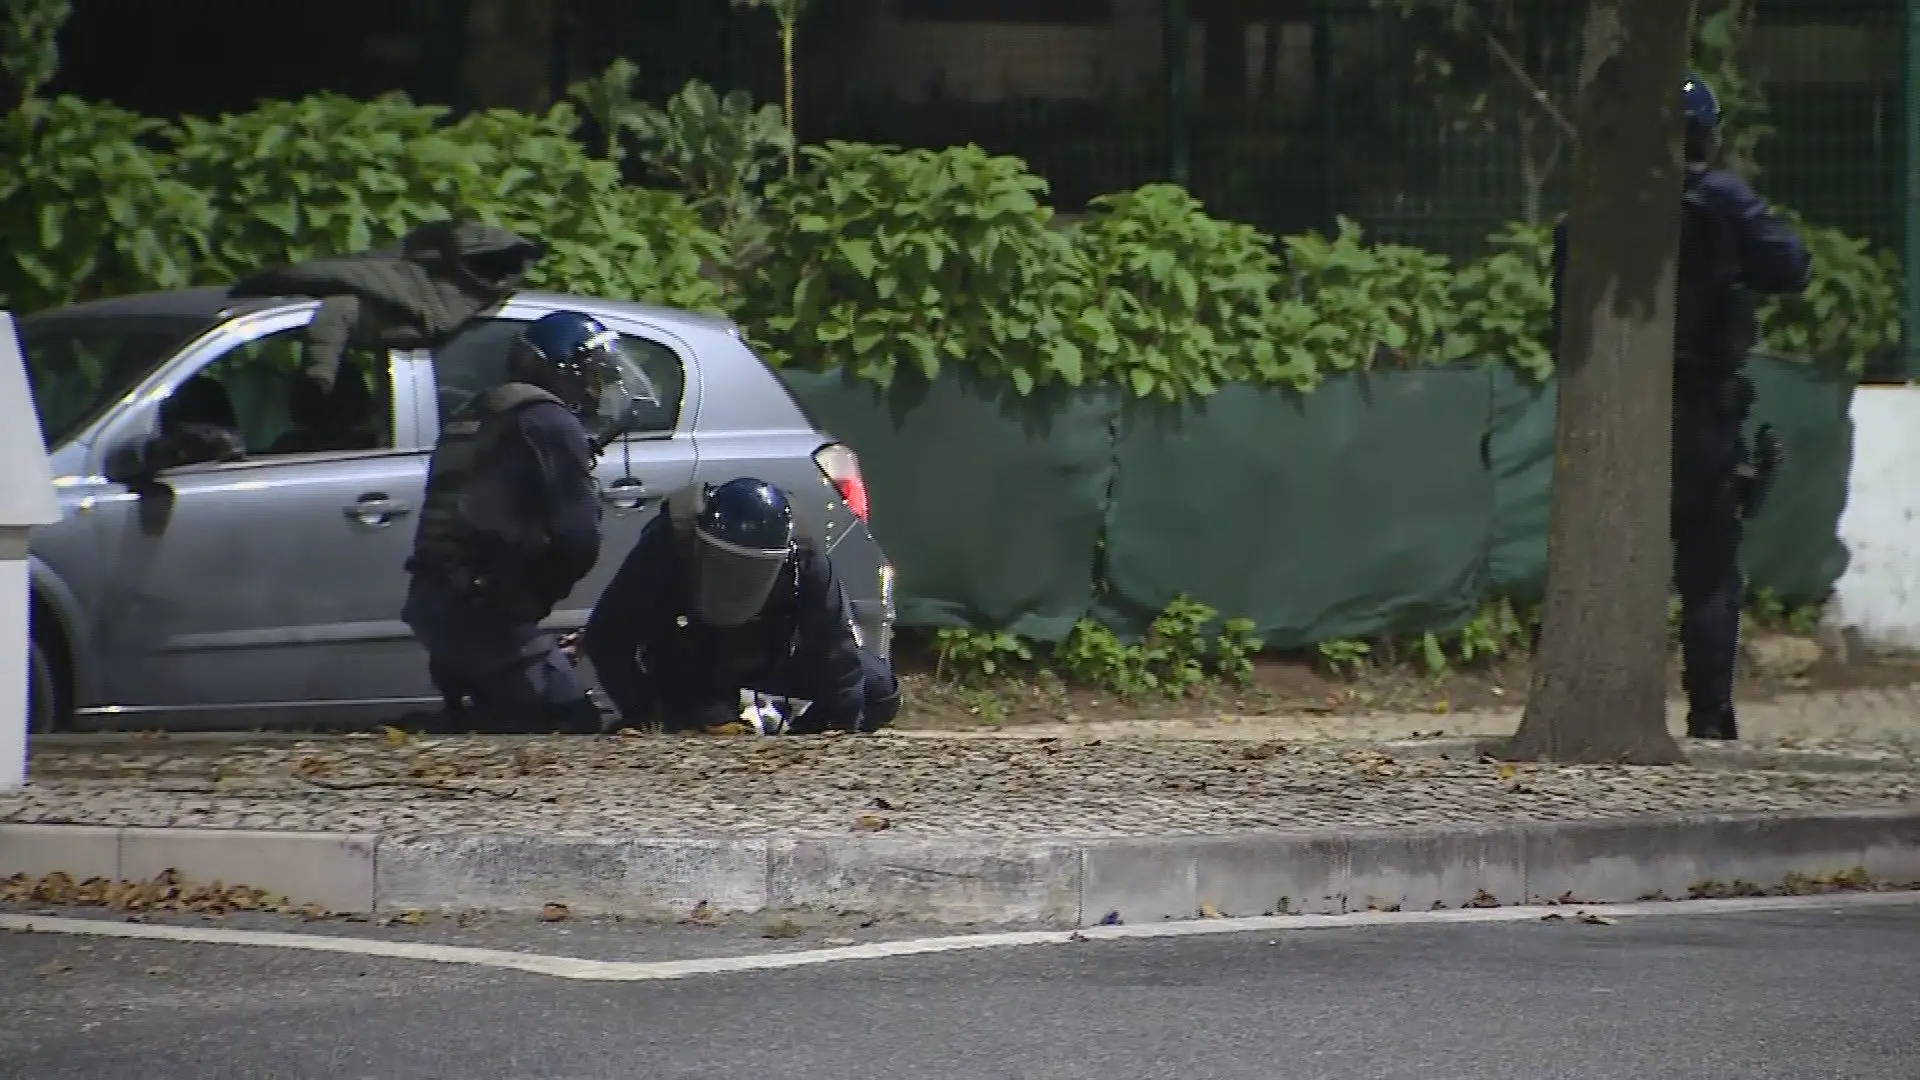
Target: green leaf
{"type": "Point", "coordinates": [1064, 358]}
{"type": "Point", "coordinates": [860, 254]}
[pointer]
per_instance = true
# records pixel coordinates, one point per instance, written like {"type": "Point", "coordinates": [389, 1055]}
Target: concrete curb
{"type": "Point", "coordinates": [1699, 755]}
{"type": "Point", "coordinates": [1000, 881]}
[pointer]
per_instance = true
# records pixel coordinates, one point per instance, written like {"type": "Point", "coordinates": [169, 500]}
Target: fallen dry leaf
{"type": "Point", "coordinates": [782, 928]}
{"type": "Point", "coordinates": [871, 823]}
{"type": "Point", "coordinates": [394, 736]}
{"type": "Point", "coordinates": [555, 913]}
{"type": "Point", "coordinates": [1208, 911]}
{"type": "Point", "coordinates": [1504, 772]}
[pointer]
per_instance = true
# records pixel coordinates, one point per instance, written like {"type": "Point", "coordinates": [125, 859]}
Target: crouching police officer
{"type": "Point", "coordinates": [511, 524]}
{"type": "Point", "coordinates": [721, 613]}
{"type": "Point", "coordinates": [1731, 248]}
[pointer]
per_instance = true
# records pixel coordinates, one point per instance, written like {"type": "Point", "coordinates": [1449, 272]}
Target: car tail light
{"type": "Point", "coordinates": [842, 468]}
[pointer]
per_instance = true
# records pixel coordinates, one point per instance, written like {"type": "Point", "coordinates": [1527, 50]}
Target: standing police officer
{"type": "Point", "coordinates": [511, 524]}
{"type": "Point", "coordinates": [721, 613]}
{"type": "Point", "coordinates": [1731, 248]}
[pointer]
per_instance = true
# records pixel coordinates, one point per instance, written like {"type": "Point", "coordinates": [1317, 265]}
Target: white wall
{"type": "Point", "coordinates": [26, 499]}
{"type": "Point", "coordinates": [1879, 595]}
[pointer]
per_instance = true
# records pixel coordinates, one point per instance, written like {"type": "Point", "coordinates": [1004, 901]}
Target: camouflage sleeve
{"type": "Point", "coordinates": [332, 328]}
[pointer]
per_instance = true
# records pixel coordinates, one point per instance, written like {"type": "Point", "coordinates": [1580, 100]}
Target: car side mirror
{"type": "Point", "coordinates": [131, 461]}
{"type": "Point", "coordinates": [144, 456]}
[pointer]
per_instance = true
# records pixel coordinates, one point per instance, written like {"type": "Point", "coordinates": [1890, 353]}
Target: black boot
{"type": "Point", "coordinates": [579, 718]}
{"type": "Point", "coordinates": [1712, 723]}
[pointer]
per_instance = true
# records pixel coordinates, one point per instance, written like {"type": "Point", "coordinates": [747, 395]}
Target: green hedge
{"type": "Point", "coordinates": [96, 201]}
{"type": "Point", "coordinates": [879, 259]}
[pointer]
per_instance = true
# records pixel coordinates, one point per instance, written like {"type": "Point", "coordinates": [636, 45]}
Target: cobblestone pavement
{"type": "Point", "coordinates": [1884, 719]}
{"type": "Point", "coordinates": [1200, 777]}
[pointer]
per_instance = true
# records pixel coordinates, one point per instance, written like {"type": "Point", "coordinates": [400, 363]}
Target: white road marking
{"type": "Point", "coordinates": [568, 967]}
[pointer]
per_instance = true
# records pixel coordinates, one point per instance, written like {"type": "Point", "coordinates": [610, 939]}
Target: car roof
{"type": "Point", "coordinates": [212, 303]}
{"type": "Point", "coordinates": [209, 303]}
{"type": "Point", "coordinates": [672, 320]}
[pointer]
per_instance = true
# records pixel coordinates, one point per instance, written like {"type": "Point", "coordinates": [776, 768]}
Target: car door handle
{"type": "Point", "coordinates": [376, 510]}
{"type": "Point", "coordinates": [625, 493]}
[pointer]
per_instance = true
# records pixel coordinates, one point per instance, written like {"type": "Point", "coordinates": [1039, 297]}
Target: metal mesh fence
{"type": "Point", "coordinates": [1421, 125]}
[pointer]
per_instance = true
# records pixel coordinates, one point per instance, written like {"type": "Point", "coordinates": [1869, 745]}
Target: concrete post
{"type": "Point", "coordinates": [26, 499]}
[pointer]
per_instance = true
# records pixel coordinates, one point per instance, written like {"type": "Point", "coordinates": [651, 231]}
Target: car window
{"type": "Point", "coordinates": [476, 360]}
{"type": "Point", "coordinates": [77, 367]}
{"type": "Point", "coordinates": [261, 390]}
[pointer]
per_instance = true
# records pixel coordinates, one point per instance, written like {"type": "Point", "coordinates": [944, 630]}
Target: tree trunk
{"type": "Point", "coordinates": [1599, 681]}
{"type": "Point", "coordinates": [509, 48]}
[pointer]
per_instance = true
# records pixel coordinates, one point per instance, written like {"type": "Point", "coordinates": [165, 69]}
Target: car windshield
{"type": "Point", "coordinates": [78, 367]}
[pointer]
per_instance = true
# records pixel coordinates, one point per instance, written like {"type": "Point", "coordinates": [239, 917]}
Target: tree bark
{"type": "Point", "coordinates": [1599, 680]}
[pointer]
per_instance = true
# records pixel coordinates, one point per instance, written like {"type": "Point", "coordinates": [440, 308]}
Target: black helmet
{"type": "Point", "coordinates": [743, 533]}
{"type": "Point", "coordinates": [1701, 108]}
{"type": "Point", "coordinates": [575, 358]}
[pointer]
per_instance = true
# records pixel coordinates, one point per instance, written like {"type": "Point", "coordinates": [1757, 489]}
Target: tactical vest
{"type": "Point", "coordinates": [1708, 335]}
{"type": "Point", "coordinates": [449, 541]}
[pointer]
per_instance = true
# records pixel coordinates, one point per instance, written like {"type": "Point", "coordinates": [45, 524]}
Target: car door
{"type": "Point", "coordinates": [265, 590]}
{"type": "Point", "coordinates": [635, 473]}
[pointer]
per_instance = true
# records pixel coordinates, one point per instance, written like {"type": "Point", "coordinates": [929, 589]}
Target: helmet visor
{"type": "Point", "coordinates": [731, 582]}
{"type": "Point", "coordinates": [600, 394]}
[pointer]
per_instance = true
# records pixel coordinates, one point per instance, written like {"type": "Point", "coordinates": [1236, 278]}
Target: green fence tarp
{"type": "Point", "coordinates": [1793, 548]}
{"type": "Point", "coordinates": [1520, 453]}
{"type": "Point", "coordinates": [991, 507]}
{"type": "Point", "coordinates": [1361, 507]}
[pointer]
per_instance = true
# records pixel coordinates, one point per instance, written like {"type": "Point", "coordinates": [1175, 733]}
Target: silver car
{"type": "Point", "coordinates": [266, 591]}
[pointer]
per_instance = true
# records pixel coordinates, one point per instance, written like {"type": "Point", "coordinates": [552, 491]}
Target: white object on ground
{"type": "Point", "coordinates": [758, 712]}
{"type": "Point", "coordinates": [769, 714]}
{"type": "Point", "coordinates": [27, 499]}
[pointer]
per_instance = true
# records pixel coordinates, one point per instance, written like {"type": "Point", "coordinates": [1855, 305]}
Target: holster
{"type": "Point", "coordinates": [514, 594]}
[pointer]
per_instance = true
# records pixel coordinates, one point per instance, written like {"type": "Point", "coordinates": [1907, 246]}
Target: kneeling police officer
{"type": "Point", "coordinates": [511, 524]}
{"type": "Point", "coordinates": [1731, 248]}
{"type": "Point", "coordinates": [722, 613]}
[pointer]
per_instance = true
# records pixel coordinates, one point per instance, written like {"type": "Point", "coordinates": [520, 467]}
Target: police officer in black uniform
{"type": "Point", "coordinates": [511, 524]}
{"type": "Point", "coordinates": [722, 613]}
{"type": "Point", "coordinates": [1731, 249]}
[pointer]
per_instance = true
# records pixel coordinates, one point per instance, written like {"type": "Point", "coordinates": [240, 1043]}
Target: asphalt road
{"type": "Point", "coordinates": [1832, 994]}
